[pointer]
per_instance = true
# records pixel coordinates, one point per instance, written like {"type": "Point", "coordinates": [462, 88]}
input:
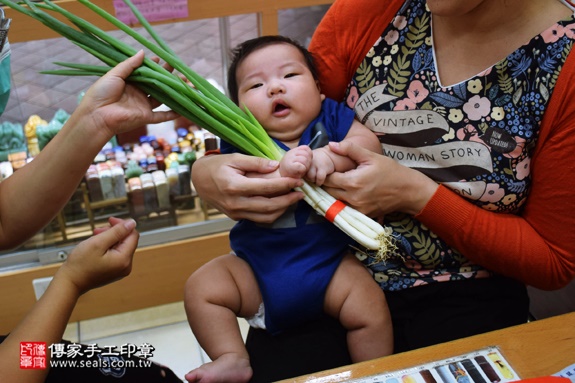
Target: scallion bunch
{"type": "Point", "coordinates": [201, 103]}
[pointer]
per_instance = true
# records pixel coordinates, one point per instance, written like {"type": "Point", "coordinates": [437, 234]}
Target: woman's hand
{"type": "Point", "coordinates": [115, 105]}
{"type": "Point", "coordinates": [102, 258]}
{"type": "Point", "coordinates": [379, 185]}
{"type": "Point", "coordinates": [222, 181]}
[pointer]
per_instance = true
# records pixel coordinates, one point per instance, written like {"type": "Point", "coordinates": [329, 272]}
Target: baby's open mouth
{"type": "Point", "coordinates": [279, 107]}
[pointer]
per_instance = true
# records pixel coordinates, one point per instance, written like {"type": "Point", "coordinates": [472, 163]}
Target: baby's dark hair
{"type": "Point", "coordinates": [241, 51]}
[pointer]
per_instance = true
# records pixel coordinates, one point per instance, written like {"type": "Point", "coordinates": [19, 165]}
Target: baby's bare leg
{"type": "Point", "coordinates": [359, 304]}
{"type": "Point", "coordinates": [215, 295]}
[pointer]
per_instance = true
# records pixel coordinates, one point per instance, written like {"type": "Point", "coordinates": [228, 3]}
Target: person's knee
{"type": "Point", "coordinates": [193, 291]}
{"type": "Point", "coordinates": [210, 278]}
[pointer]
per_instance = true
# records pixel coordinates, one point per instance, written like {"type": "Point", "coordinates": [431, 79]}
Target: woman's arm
{"type": "Point", "coordinates": [536, 247]}
{"type": "Point", "coordinates": [99, 260]}
{"type": "Point", "coordinates": [34, 194]}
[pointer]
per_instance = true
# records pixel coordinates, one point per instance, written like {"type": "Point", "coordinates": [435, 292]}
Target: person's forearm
{"type": "Point", "coordinates": [97, 261]}
{"type": "Point", "coordinates": [46, 322]}
{"type": "Point", "coordinates": [33, 195]}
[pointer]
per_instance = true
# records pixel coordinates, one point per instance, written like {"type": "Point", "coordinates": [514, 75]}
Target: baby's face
{"type": "Point", "coordinates": [276, 85]}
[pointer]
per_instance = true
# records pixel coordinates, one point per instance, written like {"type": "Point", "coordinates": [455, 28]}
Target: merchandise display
{"type": "Point", "coordinates": [150, 175]}
{"type": "Point", "coordinates": [20, 144]}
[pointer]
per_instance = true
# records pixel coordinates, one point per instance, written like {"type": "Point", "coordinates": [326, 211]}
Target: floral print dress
{"type": "Point", "coordinates": [476, 137]}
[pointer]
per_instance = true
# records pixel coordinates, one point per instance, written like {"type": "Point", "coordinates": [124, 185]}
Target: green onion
{"type": "Point", "coordinates": [201, 103]}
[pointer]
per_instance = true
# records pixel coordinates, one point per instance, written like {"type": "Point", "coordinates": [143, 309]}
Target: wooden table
{"type": "Point", "coordinates": [535, 349]}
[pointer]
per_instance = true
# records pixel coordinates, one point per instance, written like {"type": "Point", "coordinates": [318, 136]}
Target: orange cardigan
{"type": "Point", "coordinates": [537, 246]}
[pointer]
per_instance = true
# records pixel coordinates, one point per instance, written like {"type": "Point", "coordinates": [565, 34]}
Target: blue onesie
{"type": "Point", "coordinates": [295, 257]}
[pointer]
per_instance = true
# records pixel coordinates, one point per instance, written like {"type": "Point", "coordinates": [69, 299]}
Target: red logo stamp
{"type": "Point", "coordinates": [33, 355]}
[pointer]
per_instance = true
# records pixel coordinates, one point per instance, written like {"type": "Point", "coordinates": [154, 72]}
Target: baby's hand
{"type": "Point", "coordinates": [321, 166]}
{"type": "Point", "coordinates": [296, 162]}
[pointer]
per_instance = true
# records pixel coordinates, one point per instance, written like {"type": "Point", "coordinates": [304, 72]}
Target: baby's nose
{"type": "Point", "coordinates": [276, 87]}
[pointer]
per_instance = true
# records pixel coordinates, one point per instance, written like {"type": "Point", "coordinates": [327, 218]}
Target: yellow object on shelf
{"type": "Point", "coordinates": [30, 132]}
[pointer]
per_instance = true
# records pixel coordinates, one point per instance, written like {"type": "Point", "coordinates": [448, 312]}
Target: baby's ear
{"type": "Point", "coordinates": [321, 95]}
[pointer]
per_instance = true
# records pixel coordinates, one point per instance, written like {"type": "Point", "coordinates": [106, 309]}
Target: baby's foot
{"type": "Point", "coordinates": [230, 368]}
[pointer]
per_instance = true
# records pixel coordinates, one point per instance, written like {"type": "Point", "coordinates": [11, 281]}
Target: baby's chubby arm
{"type": "Point", "coordinates": [326, 162]}
{"type": "Point", "coordinates": [315, 165]}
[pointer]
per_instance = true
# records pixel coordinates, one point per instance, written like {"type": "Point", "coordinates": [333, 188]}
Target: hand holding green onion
{"type": "Point", "coordinates": [201, 103]}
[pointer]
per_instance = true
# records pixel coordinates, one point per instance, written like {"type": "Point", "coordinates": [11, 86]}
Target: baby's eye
{"type": "Point", "coordinates": [290, 75]}
{"type": "Point", "coordinates": [255, 86]}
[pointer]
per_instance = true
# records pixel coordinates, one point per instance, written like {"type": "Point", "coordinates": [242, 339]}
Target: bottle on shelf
{"type": "Point", "coordinates": [162, 189]}
{"type": "Point", "coordinates": [185, 179]}
{"type": "Point", "coordinates": [149, 189]}
{"type": "Point", "coordinates": [118, 180]}
{"type": "Point", "coordinates": [173, 180]}
{"type": "Point", "coordinates": [93, 184]}
{"type": "Point", "coordinates": [105, 175]}
{"type": "Point", "coordinates": [136, 196]}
